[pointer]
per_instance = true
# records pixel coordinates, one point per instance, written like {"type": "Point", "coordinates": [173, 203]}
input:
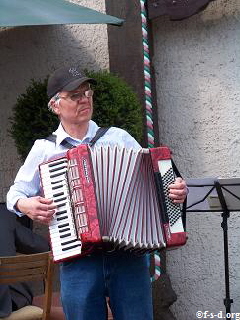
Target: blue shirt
{"type": "Point", "coordinates": [27, 181]}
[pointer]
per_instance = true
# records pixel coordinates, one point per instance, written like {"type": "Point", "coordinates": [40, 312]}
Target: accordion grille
{"type": "Point", "coordinates": [128, 210]}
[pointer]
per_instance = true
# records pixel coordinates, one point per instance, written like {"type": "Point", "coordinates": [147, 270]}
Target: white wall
{"type": "Point", "coordinates": [197, 63]}
{"type": "Point", "coordinates": [33, 53]}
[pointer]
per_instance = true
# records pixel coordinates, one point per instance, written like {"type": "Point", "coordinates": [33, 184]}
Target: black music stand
{"type": "Point", "coordinates": [216, 195]}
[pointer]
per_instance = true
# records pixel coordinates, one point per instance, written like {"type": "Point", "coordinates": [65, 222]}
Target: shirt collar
{"type": "Point", "coordinates": [62, 134]}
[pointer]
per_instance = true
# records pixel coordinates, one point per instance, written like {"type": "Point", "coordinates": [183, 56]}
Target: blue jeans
{"type": "Point", "coordinates": [122, 276]}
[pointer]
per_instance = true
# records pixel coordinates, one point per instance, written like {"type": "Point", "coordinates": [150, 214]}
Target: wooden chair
{"type": "Point", "coordinates": [29, 267]}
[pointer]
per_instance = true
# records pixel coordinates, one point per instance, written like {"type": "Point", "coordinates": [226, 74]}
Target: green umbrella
{"type": "Point", "coordinates": [15, 13]}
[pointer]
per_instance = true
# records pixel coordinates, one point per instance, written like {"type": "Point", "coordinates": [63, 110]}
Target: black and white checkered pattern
{"type": "Point", "coordinates": [173, 209]}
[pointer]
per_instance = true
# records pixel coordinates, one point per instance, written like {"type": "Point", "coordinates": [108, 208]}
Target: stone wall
{"type": "Point", "coordinates": [197, 64]}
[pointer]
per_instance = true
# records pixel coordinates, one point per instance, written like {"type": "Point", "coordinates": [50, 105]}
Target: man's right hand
{"type": "Point", "coordinates": [37, 208]}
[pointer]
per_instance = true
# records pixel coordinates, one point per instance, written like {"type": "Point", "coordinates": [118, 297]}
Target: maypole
{"type": "Point", "coordinates": [147, 77]}
{"type": "Point", "coordinates": [148, 106]}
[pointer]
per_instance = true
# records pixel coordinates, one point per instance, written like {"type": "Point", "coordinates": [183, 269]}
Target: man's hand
{"type": "Point", "coordinates": [178, 190]}
{"type": "Point", "coordinates": [37, 208]}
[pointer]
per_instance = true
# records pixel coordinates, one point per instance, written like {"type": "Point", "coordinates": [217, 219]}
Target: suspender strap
{"type": "Point", "coordinates": [64, 143]}
{"type": "Point", "coordinates": [100, 132]}
{"type": "Point", "coordinates": [52, 138]}
{"type": "Point", "coordinates": [67, 144]}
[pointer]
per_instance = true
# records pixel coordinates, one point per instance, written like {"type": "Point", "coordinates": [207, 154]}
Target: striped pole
{"type": "Point", "coordinates": [148, 107]}
{"type": "Point", "coordinates": [147, 77]}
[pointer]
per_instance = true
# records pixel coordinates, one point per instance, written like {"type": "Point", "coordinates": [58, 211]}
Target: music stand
{"type": "Point", "coordinates": [216, 195]}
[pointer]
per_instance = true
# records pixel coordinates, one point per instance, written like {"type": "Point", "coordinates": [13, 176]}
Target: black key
{"type": "Point", "coordinates": [72, 247]}
{"type": "Point", "coordinates": [68, 242]}
{"type": "Point", "coordinates": [56, 163]}
{"type": "Point", "coordinates": [58, 181]}
{"type": "Point", "coordinates": [61, 212]}
{"type": "Point", "coordinates": [62, 218]}
{"type": "Point", "coordinates": [61, 204]}
{"type": "Point", "coordinates": [63, 225]}
{"type": "Point", "coordinates": [65, 235]}
{"type": "Point", "coordinates": [58, 186]}
{"type": "Point", "coordinates": [64, 230]}
{"type": "Point", "coordinates": [56, 175]}
{"type": "Point", "coordinates": [57, 169]}
{"type": "Point", "coordinates": [58, 194]}
{"type": "Point", "coordinates": [61, 199]}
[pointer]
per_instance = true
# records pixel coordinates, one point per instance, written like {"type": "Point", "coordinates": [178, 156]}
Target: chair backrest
{"type": "Point", "coordinates": [29, 267]}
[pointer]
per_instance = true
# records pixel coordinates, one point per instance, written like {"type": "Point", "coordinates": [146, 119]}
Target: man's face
{"type": "Point", "coordinates": [75, 107]}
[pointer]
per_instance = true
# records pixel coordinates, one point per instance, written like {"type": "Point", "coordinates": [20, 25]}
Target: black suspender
{"type": "Point", "coordinates": [100, 132]}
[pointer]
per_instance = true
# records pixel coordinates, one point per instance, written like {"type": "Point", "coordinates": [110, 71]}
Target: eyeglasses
{"type": "Point", "coordinates": [79, 95]}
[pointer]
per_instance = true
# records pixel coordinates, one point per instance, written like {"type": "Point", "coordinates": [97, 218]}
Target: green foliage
{"type": "Point", "coordinates": [115, 104]}
{"type": "Point", "coordinates": [31, 118]}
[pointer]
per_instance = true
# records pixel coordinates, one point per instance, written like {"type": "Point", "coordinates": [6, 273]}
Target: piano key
{"type": "Point", "coordinates": [56, 222]}
{"type": "Point", "coordinates": [61, 243]}
{"type": "Point", "coordinates": [55, 200]}
{"type": "Point", "coordinates": [68, 250]}
{"type": "Point", "coordinates": [52, 165]}
{"type": "Point", "coordinates": [70, 247]}
{"type": "Point", "coordinates": [62, 255]}
{"type": "Point", "coordinates": [49, 189]}
{"type": "Point", "coordinates": [57, 162]}
{"type": "Point", "coordinates": [71, 234]}
{"type": "Point", "coordinates": [56, 230]}
{"type": "Point", "coordinates": [54, 169]}
{"type": "Point", "coordinates": [58, 213]}
{"type": "Point", "coordinates": [68, 241]}
{"type": "Point", "coordinates": [46, 174]}
{"type": "Point", "coordinates": [69, 224]}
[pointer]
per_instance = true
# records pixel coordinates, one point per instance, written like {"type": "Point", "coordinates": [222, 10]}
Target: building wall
{"type": "Point", "coordinates": [197, 64]}
{"type": "Point", "coordinates": [33, 53]}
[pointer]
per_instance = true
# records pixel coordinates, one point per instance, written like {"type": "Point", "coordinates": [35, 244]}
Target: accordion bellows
{"type": "Point", "coordinates": [113, 195]}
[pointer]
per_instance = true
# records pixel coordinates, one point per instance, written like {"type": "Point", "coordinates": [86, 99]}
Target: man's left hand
{"type": "Point", "coordinates": [178, 190]}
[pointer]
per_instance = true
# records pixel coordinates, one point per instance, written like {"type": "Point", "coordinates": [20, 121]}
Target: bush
{"type": "Point", "coordinates": [115, 104]}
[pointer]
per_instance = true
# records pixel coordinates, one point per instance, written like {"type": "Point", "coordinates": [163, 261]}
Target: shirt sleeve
{"type": "Point", "coordinates": [27, 181]}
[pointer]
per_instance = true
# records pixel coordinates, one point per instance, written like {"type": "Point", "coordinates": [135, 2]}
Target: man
{"type": "Point", "coordinates": [85, 282]}
{"type": "Point", "coordinates": [16, 238]}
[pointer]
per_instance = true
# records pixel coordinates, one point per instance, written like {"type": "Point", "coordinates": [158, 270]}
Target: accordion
{"type": "Point", "coordinates": [114, 195]}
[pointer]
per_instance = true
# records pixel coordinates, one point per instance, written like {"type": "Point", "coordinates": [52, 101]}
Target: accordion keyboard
{"type": "Point", "coordinates": [64, 240]}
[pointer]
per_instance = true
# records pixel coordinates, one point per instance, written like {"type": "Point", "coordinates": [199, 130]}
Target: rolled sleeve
{"type": "Point", "coordinates": [27, 181]}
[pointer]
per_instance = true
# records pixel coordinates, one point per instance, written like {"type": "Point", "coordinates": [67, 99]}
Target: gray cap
{"type": "Point", "coordinates": [66, 79]}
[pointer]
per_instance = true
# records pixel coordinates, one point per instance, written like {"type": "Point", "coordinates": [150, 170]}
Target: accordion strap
{"type": "Point", "coordinates": [100, 132]}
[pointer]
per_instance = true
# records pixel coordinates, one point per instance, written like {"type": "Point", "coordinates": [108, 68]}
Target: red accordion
{"type": "Point", "coordinates": [114, 195]}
